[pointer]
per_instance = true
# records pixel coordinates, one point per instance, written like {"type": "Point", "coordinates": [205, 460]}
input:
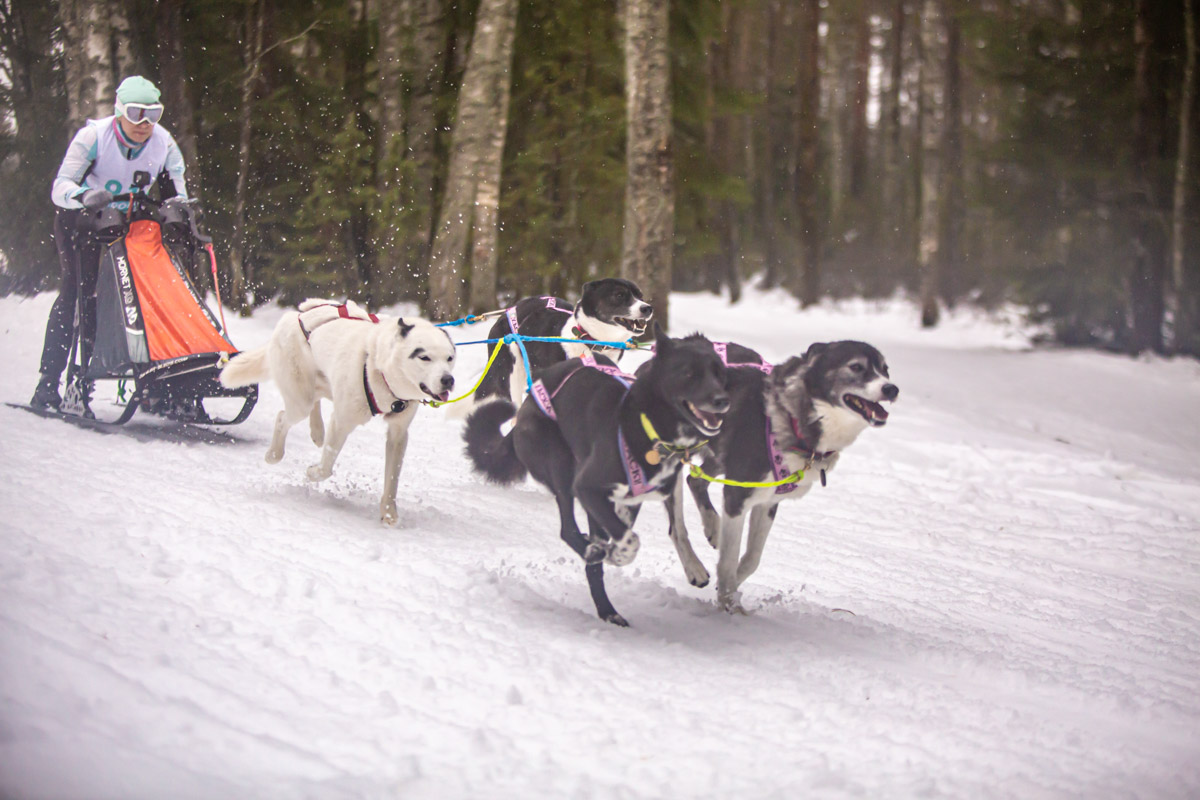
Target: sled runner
{"type": "Point", "coordinates": [154, 334]}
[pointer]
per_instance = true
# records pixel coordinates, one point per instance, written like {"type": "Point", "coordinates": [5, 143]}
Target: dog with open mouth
{"type": "Point", "coordinates": [793, 418]}
{"type": "Point", "coordinates": [590, 432]}
{"type": "Point", "coordinates": [609, 310]}
{"type": "Point", "coordinates": [366, 365]}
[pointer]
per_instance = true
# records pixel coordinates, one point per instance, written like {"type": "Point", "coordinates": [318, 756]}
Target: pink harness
{"type": "Point", "coordinates": [551, 304]}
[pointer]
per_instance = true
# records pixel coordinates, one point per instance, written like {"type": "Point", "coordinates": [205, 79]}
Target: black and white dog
{"type": "Point", "coordinates": [796, 417]}
{"type": "Point", "coordinates": [587, 431]}
{"type": "Point", "coordinates": [609, 310]}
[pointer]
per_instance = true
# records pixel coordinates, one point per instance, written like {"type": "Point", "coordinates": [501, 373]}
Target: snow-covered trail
{"type": "Point", "coordinates": [998, 595]}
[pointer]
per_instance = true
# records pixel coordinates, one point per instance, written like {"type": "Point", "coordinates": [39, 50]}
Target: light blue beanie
{"type": "Point", "coordinates": [136, 89]}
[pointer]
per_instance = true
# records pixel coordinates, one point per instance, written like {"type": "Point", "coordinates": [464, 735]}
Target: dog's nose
{"type": "Point", "coordinates": [646, 310]}
{"type": "Point", "coordinates": [890, 391]}
{"type": "Point", "coordinates": [447, 382]}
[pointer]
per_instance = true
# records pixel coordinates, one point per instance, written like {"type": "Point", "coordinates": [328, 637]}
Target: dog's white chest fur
{"type": "Point", "coordinates": [839, 426]}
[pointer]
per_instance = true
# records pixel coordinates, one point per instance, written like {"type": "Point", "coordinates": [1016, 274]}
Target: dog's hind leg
{"type": "Point", "coordinates": [604, 607]}
{"type": "Point", "coordinates": [708, 514]}
{"type": "Point", "coordinates": [335, 438]}
{"type": "Point", "coordinates": [761, 519]}
{"type": "Point", "coordinates": [397, 443]}
{"type": "Point", "coordinates": [316, 425]}
{"type": "Point", "coordinates": [283, 423]}
{"type": "Point", "coordinates": [697, 575]}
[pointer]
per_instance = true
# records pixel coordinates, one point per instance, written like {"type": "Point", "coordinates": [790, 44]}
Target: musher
{"type": "Point", "coordinates": [99, 163]}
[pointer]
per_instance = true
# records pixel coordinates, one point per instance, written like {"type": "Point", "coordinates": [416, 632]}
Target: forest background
{"type": "Point", "coordinates": [462, 154]}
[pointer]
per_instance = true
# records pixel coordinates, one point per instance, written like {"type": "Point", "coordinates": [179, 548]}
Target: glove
{"type": "Point", "coordinates": [96, 199]}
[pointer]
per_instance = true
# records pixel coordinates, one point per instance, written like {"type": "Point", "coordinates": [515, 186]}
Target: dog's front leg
{"type": "Point", "coordinates": [761, 519]}
{"type": "Point", "coordinates": [708, 515]}
{"type": "Point", "coordinates": [335, 438]}
{"type": "Point", "coordinates": [397, 443]}
{"type": "Point", "coordinates": [697, 575]}
{"type": "Point", "coordinates": [728, 549]}
{"type": "Point", "coordinates": [622, 546]}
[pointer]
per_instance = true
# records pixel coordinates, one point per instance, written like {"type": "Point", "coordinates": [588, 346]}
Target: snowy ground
{"type": "Point", "coordinates": [998, 595]}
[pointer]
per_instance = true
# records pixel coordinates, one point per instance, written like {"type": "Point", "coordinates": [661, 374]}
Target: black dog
{"type": "Point", "coordinates": [587, 432]}
{"type": "Point", "coordinates": [609, 310]}
{"type": "Point", "coordinates": [796, 417]}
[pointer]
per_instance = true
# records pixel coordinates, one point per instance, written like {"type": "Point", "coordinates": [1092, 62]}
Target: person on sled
{"type": "Point", "coordinates": [99, 163]}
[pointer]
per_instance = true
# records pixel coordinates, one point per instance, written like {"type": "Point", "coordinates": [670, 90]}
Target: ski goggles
{"type": "Point", "coordinates": [137, 113]}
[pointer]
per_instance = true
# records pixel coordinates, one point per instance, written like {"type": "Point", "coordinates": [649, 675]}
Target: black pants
{"type": "Point", "coordinates": [79, 259]}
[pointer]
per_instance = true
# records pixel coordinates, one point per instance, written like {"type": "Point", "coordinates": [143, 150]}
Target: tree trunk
{"type": "Point", "coordinates": [389, 153]}
{"type": "Point", "coordinates": [429, 49]}
{"type": "Point", "coordinates": [953, 203]}
{"type": "Point", "coordinates": [895, 185]}
{"type": "Point", "coordinates": [1183, 300]}
{"type": "Point", "coordinates": [808, 86]}
{"type": "Point", "coordinates": [861, 92]}
{"type": "Point", "coordinates": [768, 180]}
{"type": "Point", "coordinates": [482, 108]}
{"type": "Point", "coordinates": [252, 48]}
{"type": "Point", "coordinates": [1147, 276]}
{"type": "Point", "coordinates": [96, 54]}
{"type": "Point", "coordinates": [930, 135]}
{"type": "Point", "coordinates": [648, 242]}
{"type": "Point", "coordinates": [173, 81]}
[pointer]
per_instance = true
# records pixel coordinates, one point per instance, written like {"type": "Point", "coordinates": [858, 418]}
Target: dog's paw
{"type": "Point", "coordinates": [616, 619]}
{"type": "Point", "coordinates": [697, 575]}
{"type": "Point", "coordinates": [316, 473]}
{"type": "Point", "coordinates": [387, 514]}
{"type": "Point", "coordinates": [731, 603]}
{"type": "Point", "coordinates": [595, 552]}
{"type": "Point", "coordinates": [625, 551]}
{"type": "Point", "coordinates": [273, 456]}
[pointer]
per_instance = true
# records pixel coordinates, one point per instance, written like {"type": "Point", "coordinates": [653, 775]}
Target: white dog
{"type": "Point", "coordinates": [365, 365]}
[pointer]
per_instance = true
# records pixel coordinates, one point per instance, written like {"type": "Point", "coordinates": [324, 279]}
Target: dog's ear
{"type": "Point", "coordinates": [814, 351]}
{"type": "Point", "coordinates": [405, 328]}
{"type": "Point", "coordinates": [785, 372]}
{"type": "Point", "coordinates": [662, 342]}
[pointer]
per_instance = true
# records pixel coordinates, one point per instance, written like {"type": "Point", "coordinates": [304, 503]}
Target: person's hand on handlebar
{"type": "Point", "coordinates": [96, 199]}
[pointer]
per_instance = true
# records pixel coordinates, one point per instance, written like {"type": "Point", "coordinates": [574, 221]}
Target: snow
{"type": "Point", "coordinates": [996, 596]}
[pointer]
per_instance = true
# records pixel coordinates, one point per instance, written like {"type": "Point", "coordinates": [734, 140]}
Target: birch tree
{"type": "Point", "coordinates": [96, 53]}
{"type": "Point", "coordinates": [467, 222]}
{"type": "Point", "coordinates": [1182, 297]}
{"type": "Point", "coordinates": [649, 161]}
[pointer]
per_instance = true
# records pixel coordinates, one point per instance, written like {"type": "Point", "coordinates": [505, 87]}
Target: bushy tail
{"type": "Point", "coordinates": [490, 451]}
{"type": "Point", "coordinates": [247, 367]}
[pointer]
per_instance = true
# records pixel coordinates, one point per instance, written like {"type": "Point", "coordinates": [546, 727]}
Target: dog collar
{"type": "Point", "coordinates": [801, 447]}
{"type": "Point", "coordinates": [579, 333]}
{"type": "Point", "coordinates": [659, 448]}
{"type": "Point", "coordinates": [396, 407]}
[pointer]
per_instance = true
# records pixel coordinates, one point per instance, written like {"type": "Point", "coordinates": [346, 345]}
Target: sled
{"type": "Point", "coordinates": [155, 336]}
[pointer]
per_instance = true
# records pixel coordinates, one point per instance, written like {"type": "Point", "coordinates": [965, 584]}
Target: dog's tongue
{"type": "Point", "coordinates": [444, 396]}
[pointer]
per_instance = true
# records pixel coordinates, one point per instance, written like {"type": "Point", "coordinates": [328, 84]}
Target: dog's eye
{"type": "Point", "coordinates": [426, 358]}
{"type": "Point", "coordinates": [857, 368]}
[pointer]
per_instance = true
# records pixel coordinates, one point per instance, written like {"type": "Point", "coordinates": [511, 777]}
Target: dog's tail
{"type": "Point", "coordinates": [246, 368]}
{"type": "Point", "coordinates": [490, 451]}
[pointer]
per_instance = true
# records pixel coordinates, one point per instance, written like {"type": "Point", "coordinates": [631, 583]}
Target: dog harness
{"type": "Point", "coordinates": [723, 347]}
{"type": "Point", "coordinates": [773, 451]}
{"type": "Point", "coordinates": [551, 304]}
{"type": "Point", "coordinates": [635, 476]}
{"type": "Point", "coordinates": [343, 313]}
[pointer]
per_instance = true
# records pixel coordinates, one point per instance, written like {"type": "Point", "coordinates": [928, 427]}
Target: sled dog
{"type": "Point", "coordinates": [365, 365]}
{"type": "Point", "coordinates": [609, 310]}
{"type": "Point", "coordinates": [799, 415]}
{"type": "Point", "coordinates": [590, 432]}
